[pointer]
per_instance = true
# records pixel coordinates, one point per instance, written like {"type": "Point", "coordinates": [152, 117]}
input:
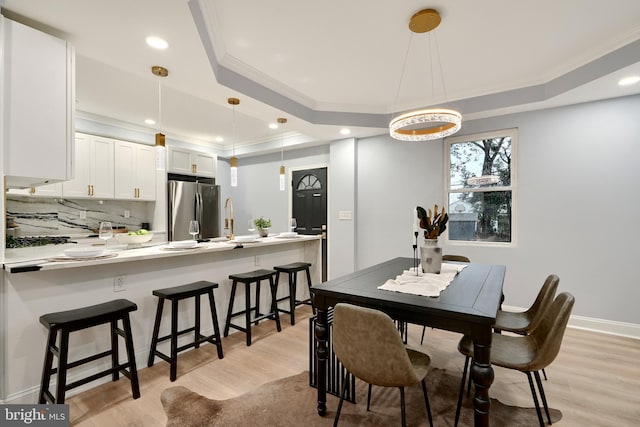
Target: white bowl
{"type": "Point", "coordinates": [136, 239]}
{"type": "Point", "coordinates": [289, 234]}
{"type": "Point", "coordinates": [246, 239]}
{"type": "Point", "coordinates": [182, 244]}
{"type": "Point", "coordinates": [83, 252]}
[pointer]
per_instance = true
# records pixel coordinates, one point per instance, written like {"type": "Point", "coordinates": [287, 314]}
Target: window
{"type": "Point", "coordinates": [480, 187]}
{"type": "Point", "coordinates": [309, 182]}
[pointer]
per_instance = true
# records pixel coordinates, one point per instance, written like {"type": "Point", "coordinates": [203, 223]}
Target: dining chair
{"type": "Point", "coordinates": [524, 322]}
{"type": "Point", "coordinates": [526, 353]}
{"type": "Point", "coordinates": [450, 258]}
{"type": "Point", "coordinates": [368, 345]}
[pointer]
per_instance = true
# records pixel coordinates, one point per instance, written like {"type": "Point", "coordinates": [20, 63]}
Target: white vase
{"type": "Point", "coordinates": [431, 256]}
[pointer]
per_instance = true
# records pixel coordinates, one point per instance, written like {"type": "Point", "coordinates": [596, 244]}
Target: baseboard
{"type": "Point", "coordinates": [611, 327]}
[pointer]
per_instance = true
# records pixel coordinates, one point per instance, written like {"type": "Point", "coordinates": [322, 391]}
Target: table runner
{"type": "Point", "coordinates": [425, 284]}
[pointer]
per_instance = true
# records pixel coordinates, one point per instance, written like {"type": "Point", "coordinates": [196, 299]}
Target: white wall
{"type": "Point", "coordinates": [341, 238]}
{"type": "Point", "coordinates": [393, 178]}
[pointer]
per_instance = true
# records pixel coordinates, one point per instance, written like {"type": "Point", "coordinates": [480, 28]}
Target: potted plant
{"type": "Point", "coordinates": [434, 223]}
{"type": "Point", "coordinates": [263, 226]}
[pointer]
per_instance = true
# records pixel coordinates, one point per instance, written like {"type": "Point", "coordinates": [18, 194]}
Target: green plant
{"type": "Point", "coordinates": [434, 223]}
{"type": "Point", "coordinates": [262, 223]}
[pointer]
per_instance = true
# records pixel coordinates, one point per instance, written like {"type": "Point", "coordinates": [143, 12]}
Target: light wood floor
{"type": "Point", "coordinates": [595, 381]}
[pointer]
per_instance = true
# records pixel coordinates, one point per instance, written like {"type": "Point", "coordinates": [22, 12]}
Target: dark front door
{"type": "Point", "coordinates": [310, 206]}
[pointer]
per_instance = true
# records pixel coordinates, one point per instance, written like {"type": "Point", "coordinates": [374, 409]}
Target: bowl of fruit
{"type": "Point", "coordinates": [134, 238]}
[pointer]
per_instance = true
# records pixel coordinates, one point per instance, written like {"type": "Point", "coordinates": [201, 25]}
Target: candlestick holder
{"type": "Point", "coordinates": [415, 252]}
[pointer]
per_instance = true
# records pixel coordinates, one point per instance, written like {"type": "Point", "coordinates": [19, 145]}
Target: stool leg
{"type": "Point", "coordinates": [274, 306]}
{"type": "Point", "coordinates": [292, 296]}
{"type": "Point", "coordinates": [174, 340]}
{"type": "Point", "coordinates": [313, 306]}
{"type": "Point", "coordinates": [230, 311]}
{"type": "Point", "coordinates": [197, 325]}
{"type": "Point", "coordinates": [48, 364]}
{"type": "Point", "coordinates": [62, 366]}
{"type": "Point", "coordinates": [131, 356]}
{"type": "Point", "coordinates": [258, 314]}
{"type": "Point", "coordinates": [114, 350]}
{"type": "Point", "coordinates": [247, 312]}
{"type": "Point", "coordinates": [156, 330]}
{"type": "Point", "coordinates": [214, 319]}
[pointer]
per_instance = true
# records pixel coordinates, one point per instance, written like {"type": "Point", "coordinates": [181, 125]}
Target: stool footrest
{"type": "Point", "coordinates": [83, 361]}
{"type": "Point", "coordinates": [184, 331]}
{"type": "Point", "coordinates": [110, 371]}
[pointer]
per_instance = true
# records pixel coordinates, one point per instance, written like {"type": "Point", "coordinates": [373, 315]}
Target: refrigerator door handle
{"type": "Point", "coordinates": [198, 213]}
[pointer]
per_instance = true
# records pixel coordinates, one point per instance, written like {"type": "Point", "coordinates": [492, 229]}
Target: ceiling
{"type": "Point", "coordinates": [333, 64]}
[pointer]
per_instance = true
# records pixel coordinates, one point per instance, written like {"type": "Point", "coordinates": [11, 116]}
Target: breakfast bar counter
{"type": "Point", "coordinates": [35, 284]}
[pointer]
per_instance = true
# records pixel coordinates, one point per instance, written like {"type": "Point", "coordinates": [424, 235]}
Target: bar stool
{"type": "Point", "coordinates": [175, 294]}
{"type": "Point", "coordinates": [246, 279]}
{"type": "Point", "coordinates": [69, 321]}
{"type": "Point", "coordinates": [292, 270]}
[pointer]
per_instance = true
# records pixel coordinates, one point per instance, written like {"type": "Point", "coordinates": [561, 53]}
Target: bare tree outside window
{"type": "Point", "coordinates": [480, 186]}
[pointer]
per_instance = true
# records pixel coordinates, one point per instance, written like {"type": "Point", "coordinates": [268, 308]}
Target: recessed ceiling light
{"type": "Point", "coordinates": [345, 131]}
{"type": "Point", "coordinates": [273, 126]}
{"type": "Point", "coordinates": [219, 139]}
{"type": "Point", "coordinates": [631, 80]}
{"type": "Point", "coordinates": [150, 121]}
{"type": "Point", "coordinates": [157, 42]}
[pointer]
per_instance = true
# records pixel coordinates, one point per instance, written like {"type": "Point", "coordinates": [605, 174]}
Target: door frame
{"type": "Point", "coordinates": [290, 171]}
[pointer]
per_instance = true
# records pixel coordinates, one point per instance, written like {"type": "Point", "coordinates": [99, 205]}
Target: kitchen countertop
{"type": "Point", "coordinates": [41, 258]}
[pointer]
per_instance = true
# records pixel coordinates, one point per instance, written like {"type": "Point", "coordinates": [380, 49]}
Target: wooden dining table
{"type": "Point", "coordinates": [468, 305]}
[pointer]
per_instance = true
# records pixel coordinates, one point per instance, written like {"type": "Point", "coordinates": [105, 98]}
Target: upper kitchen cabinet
{"type": "Point", "coordinates": [187, 162]}
{"type": "Point", "coordinates": [135, 171]}
{"type": "Point", "coordinates": [38, 106]}
{"type": "Point", "coordinates": [94, 171]}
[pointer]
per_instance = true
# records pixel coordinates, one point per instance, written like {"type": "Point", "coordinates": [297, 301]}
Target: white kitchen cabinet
{"type": "Point", "coordinates": [135, 171]}
{"type": "Point", "coordinates": [38, 106]}
{"type": "Point", "coordinates": [187, 162]}
{"type": "Point", "coordinates": [94, 172]}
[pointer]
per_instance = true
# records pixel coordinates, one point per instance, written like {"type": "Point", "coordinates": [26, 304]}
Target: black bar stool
{"type": "Point", "coordinates": [66, 322]}
{"type": "Point", "coordinates": [247, 279]}
{"type": "Point", "coordinates": [174, 295]}
{"type": "Point", "coordinates": [292, 270]}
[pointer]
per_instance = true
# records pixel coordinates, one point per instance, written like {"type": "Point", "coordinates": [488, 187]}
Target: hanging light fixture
{"type": "Point", "coordinates": [160, 139]}
{"type": "Point", "coordinates": [282, 122]}
{"type": "Point", "coordinates": [233, 161]}
{"type": "Point", "coordinates": [432, 123]}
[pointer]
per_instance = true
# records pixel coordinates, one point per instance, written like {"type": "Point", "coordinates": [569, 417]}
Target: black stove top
{"type": "Point", "coordinates": [25, 242]}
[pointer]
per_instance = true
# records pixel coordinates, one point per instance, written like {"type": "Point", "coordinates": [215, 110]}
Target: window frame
{"type": "Point", "coordinates": [513, 187]}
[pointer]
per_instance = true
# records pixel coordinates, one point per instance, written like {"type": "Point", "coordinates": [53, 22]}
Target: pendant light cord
{"type": "Point", "coordinates": [160, 104]}
{"type": "Point", "coordinates": [404, 66]}
{"type": "Point", "coordinates": [233, 149]}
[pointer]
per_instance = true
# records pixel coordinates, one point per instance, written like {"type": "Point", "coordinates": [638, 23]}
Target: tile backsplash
{"type": "Point", "coordinates": [59, 216]}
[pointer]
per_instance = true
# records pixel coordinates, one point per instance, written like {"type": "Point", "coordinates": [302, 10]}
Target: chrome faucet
{"type": "Point", "coordinates": [228, 218]}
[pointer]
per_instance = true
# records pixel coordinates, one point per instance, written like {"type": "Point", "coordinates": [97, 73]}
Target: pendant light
{"type": "Point", "coordinates": [432, 123]}
{"type": "Point", "coordinates": [282, 121]}
{"type": "Point", "coordinates": [160, 139]}
{"type": "Point", "coordinates": [233, 161]}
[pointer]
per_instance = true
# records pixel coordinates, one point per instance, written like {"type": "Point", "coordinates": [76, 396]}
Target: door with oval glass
{"type": "Point", "coordinates": [309, 205]}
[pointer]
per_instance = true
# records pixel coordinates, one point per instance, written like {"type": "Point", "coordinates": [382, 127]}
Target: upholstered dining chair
{"type": "Point", "coordinates": [526, 353]}
{"type": "Point", "coordinates": [451, 258]}
{"type": "Point", "coordinates": [368, 345]}
{"type": "Point", "coordinates": [524, 322]}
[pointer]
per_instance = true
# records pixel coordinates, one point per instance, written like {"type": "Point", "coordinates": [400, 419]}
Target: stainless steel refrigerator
{"type": "Point", "coordinates": [193, 199]}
